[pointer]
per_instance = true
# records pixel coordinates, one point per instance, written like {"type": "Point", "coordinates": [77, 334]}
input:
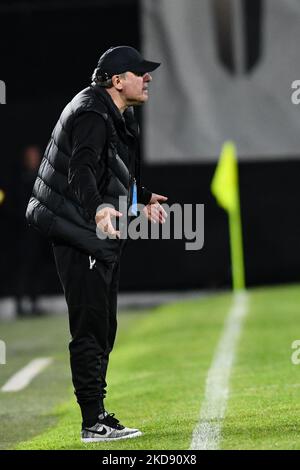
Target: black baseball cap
{"type": "Point", "coordinates": [122, 59]}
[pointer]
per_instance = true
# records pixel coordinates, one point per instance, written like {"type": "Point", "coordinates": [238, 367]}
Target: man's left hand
{"type": "Point", "coordinates": [154, 211]}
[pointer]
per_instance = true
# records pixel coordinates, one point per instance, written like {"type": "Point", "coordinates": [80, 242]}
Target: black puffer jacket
{"type": "Point", "coordinates": [54, 209]}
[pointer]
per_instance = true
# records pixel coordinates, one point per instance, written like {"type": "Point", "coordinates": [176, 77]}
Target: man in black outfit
{"type": "Point", "coordinates": [90, 164]}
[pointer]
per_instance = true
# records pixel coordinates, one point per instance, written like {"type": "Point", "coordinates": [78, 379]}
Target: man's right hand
{"type": "Point", "coordinates": [103, 220]}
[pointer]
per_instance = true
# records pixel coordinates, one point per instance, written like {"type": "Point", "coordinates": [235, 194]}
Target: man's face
{"type": "Point", "coordinates": [32, 157]}
{"type": "Point", "coordinates": [135, 88]}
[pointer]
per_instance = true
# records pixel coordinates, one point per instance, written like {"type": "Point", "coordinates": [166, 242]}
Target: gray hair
{"type": "Point", "coordinates": [105, 82]}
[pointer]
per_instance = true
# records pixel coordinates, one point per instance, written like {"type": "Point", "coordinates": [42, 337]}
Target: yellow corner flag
{"type": "Point", "coordinates": [225, 188]}
{"type": "Point", "coordinates": [224, 185]}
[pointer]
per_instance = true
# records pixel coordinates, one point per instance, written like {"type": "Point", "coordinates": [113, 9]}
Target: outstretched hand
{"type": "Point", "coordinates": [154, 211]}
{"type": "Point", "coordinates": [103, 220]}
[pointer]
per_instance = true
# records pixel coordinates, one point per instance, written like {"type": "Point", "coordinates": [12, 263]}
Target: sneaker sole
{"type": "Point", "coordinates": [107, 439]}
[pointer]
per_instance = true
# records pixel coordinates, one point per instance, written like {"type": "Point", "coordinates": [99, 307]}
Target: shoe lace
{"type": "Point", "coordinates": [111, 421]}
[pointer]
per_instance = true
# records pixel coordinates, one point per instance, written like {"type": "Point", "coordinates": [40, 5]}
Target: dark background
{"type": "Point", "coordinates": [47, 54]}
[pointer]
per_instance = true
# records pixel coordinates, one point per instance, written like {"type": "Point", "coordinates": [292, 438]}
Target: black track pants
{"type": "Point", "coordinates": [90, 288]}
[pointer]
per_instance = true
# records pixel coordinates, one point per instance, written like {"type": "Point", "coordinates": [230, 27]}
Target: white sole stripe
{"type": "Point", "coordinates": [107, 439]}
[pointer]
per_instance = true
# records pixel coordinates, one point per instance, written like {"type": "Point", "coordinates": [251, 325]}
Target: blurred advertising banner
{"type": "Point", "coordinates": [227, 72]}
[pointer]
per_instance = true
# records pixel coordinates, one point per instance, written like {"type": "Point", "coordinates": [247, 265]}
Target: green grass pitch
{"type": "Point", "coordinates": [157, 376]}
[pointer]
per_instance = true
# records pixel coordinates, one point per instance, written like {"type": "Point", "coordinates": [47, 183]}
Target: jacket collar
{"type": "Point", "coordinates": [125, 124]}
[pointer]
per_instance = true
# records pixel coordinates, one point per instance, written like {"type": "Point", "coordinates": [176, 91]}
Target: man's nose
{"type": "Point", "coordinates": [147, 77]}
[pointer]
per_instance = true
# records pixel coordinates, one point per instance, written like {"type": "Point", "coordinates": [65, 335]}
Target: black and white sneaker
{"type": "Point", "coordinates": [108, 428]}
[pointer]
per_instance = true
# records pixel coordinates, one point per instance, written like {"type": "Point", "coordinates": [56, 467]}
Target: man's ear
{"type": "Point", "coordinates": [117, 82]}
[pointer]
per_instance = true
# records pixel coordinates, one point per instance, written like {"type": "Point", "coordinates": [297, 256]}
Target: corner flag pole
{"type": "Point", "coordinates": [225, 188]}
{"type": "Point", "coordinates": [236, 248]}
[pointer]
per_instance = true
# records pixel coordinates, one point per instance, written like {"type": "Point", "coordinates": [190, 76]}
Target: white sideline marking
{"type": "Point", "coordinates": [22, 378]}
{"type": "Point", "coordinates": [207, 433]}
